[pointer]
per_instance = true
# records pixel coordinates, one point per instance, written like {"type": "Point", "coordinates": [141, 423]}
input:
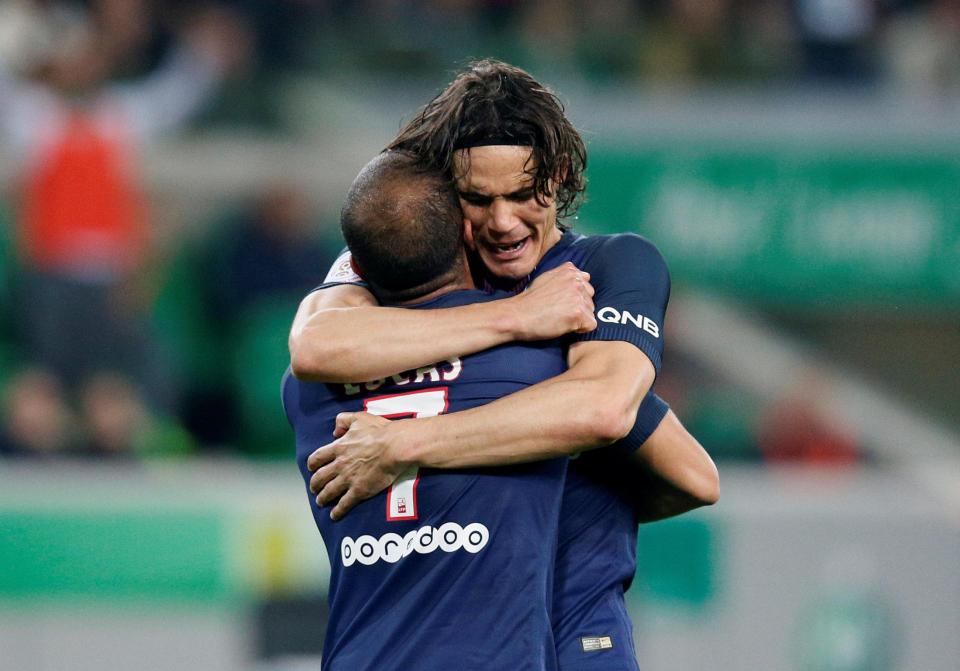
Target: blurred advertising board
{"type": "Point", "coordinates": [813, 225]}
{"type": "Point", "coordinates": [794, 570]}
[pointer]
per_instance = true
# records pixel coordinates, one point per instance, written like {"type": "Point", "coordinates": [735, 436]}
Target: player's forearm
{"type": "Point", "coordinates": [528, 427]}
{"type": "Point", "coordinates": [660, 500]}
{"type": "Point", "coordinates": [356, 344]}
{"type": "Point", "coordinates": [684, 474]}
{"type": "Point", "coordinates": [591, 405]}
{"type": "Point", "coordinates": [340, 334]}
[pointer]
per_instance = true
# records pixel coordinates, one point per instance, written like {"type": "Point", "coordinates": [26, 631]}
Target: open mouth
{"type": "Point", "coordinates": [509, 250]}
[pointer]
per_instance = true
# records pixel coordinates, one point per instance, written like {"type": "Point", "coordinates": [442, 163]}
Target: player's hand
{"type": "Point", "coordinates": [558, 302]}
{"type": "Point", "coordinates": [356, 466]}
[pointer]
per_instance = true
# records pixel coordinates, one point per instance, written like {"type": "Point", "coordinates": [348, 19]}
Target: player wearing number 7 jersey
{"type": "Point", "coordinates": [446, 569]}
{"type": "Point", "coordinates": [519, 167]}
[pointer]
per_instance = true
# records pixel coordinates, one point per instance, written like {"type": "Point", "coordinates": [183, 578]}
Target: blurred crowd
{"type": "Point", "coordinates": [915, 43]}
{"type": "Point", "coordinates": [88, 366]}
{"type": "Point", "coordinates": [115, 343]}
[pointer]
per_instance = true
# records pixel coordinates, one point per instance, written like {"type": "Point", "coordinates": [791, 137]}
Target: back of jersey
{"type": "Point", "coordinates": [446, 569]}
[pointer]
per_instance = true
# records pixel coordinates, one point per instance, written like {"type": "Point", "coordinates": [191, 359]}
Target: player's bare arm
{"type": "Point", "coordinates": [594, 403]}
{"type": "Point", "coordinates": [677, 473]}
{"type": "Point", "coordinates": [340, 334]}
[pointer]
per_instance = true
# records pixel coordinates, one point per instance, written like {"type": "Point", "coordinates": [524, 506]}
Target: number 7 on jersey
{"type": "Point", "coordinates": [402, 495]}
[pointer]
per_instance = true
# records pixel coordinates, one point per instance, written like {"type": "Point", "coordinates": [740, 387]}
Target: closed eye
{"type": "Point", "coordinates": [481, 200]}
{"type": "Point", "coordinates": [476, 198]}
{"type": "Point", "coordinates": [520, 196]}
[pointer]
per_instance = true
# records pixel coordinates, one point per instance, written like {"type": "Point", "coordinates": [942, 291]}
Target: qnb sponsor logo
{"type": "Point", "coordinates": [391, 547]}
{"type": "Point", "coordinates": [615, 316]}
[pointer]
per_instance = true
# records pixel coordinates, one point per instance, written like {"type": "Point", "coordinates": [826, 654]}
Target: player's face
{"type": "Point", "coordinates": [505, 224]}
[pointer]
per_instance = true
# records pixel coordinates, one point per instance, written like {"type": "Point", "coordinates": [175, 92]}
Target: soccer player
{"type": "Point", "coordinates": [518, 167]}
{"type": "Point", "coordinates": [450, 569]}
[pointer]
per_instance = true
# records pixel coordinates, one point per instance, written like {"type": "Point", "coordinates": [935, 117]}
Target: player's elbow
{"type": "Point", "coordinates": [303, 362]}
{"type": "Point", "coordinates": [308, 359]}
{"type": "Point", "coordinates": [704, 485]}
{"type": "Point", "coordinates": [610, 420]}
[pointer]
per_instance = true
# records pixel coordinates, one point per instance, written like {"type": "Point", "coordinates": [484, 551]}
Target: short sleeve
{"type": "Point", "coordinates": [651, 412]}
{"type": "Point", "coordinates": [632, 288]}
{"type": "Point", "coordinates": [342, 272]}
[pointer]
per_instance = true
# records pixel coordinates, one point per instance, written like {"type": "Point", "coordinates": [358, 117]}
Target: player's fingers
{"type": "Point", "coordinates": [321, 457]}
{"type": "Point", "coordinates": [334, 490]}
{"type": "Point", "coordinates": [323, 475]}
{"type": "Point", "coordinates": [587, 323]}
{"type": "Point", "coordinates": [344, 421]}
{"type": "Point", "coordinates": [344, 505]}
{"type": "Point", "coordinates": [588, 288]}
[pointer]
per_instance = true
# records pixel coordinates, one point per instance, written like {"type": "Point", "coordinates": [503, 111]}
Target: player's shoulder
{"type": "Point", "coordinates": [343, 272]}
{"type": "Point", "coordinates": [615, 249]}
{"type": "Point", "coordinates": [615, 241]}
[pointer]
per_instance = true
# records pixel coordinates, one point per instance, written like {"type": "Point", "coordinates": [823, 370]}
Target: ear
{"type": "Point", "coordinates": [468, 235]}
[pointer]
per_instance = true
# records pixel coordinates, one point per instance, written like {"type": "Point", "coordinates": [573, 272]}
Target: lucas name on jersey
{"type": "Point", "coordinates": [444, 371]}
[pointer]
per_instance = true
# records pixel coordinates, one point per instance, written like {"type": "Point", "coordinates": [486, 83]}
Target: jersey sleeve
{"type": "Point", "coordinates": [342, 272]}
{"type": "Point", "coordinates": [632, 288]}
{"type": "Point", "coordinates": [651, 412]}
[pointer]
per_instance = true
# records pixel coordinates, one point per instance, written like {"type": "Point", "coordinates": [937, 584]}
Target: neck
{"type": "Point", "coordinates": [552, 239]}
{"type": "Point", "coordinates": [460, 279]}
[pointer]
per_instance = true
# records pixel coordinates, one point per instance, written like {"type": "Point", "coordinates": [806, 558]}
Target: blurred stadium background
{"type": "Point", "coordinates": [797, 162]}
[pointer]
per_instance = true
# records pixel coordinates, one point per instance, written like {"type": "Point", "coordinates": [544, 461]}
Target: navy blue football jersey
{"type": "Point", "coordinates": [631, 284]}
{"type": "Point", "coordinates": [597, 536]}
{"type": "Point", "coordinates": [446, 569]}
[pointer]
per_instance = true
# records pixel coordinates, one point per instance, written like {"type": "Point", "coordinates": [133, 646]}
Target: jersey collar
{"type": "Point", "coordinates": [549, 261]}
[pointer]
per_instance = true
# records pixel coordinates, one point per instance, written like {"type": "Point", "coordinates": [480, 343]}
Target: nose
{"type": "Point", "coordinates": [502, 219]}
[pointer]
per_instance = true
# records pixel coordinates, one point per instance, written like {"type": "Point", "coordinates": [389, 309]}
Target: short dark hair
{"type": "Point", "coordinates": [492, 102]}
{"type": "Point", "coordinates": [403, 224]}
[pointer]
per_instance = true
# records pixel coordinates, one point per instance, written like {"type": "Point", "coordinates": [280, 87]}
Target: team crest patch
{"type": "Point", "coordinates": [342, 270]}
{"type": "Point", "coordinates": [594, 643]}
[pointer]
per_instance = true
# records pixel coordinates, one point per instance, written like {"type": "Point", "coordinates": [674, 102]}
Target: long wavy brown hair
{"type": "Point", "coordinates": [492, 102]}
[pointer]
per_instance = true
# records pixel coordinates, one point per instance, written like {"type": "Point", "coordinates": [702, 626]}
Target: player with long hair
{"type": "Point", "coordinates": [518, 166]}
